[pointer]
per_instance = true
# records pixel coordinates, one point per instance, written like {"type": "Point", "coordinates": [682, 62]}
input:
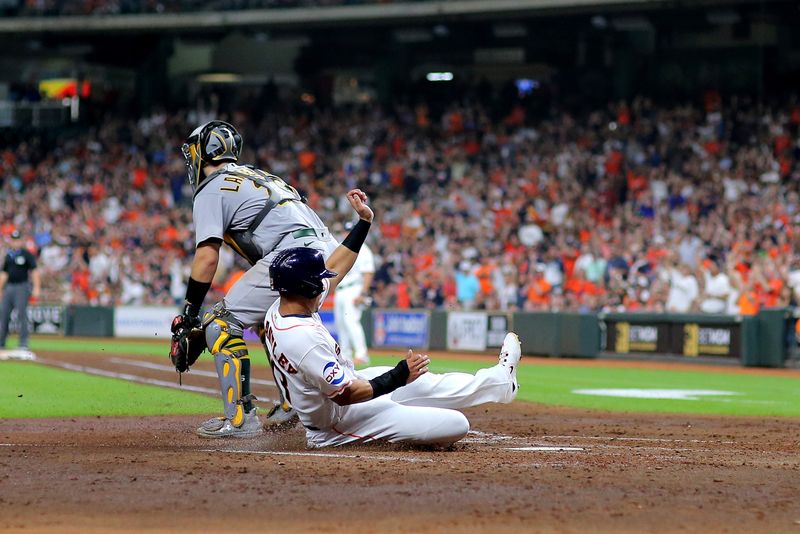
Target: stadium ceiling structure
{"type": "Point", "coordinates": [325, 16]}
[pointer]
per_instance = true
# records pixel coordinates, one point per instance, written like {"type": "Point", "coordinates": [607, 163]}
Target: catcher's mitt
{"type": "Point", "coordinates": [188, 342]}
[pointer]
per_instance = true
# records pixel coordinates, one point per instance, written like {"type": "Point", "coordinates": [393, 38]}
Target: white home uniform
{"type": "Point", "coordinates": [347, 315]}
{"type": "Point", "coordinates": [311, 371]}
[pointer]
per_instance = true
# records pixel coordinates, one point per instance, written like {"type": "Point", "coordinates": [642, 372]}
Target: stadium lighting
{"type": "Point", "coordinates": [599, 22]}
{"type": "Point", "coordinates": [439, 76]}
{"type": "Point", "coordinates": [509, 30]}
{"type": "Point", "coordinates": [219, 77]}
{"type": "Point", "coordinates": [526, 86]}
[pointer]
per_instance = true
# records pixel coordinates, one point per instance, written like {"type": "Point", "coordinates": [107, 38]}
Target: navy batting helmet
{"type": "Point", "coordinates": [299, 271]}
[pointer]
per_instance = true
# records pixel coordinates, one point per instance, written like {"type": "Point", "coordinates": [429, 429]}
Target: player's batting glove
{"type": "Point", "coordinates": [187, 341]}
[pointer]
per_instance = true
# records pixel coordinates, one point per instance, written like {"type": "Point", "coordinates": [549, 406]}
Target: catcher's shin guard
{"type": "Point", "coordinates": [229, 370]}
{"type": "Point", "coordinates": [232, 361]}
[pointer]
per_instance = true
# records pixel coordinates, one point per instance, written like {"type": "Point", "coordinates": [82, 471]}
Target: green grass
{"type": "Point", "coordinates": [30, 390]}
{"type": "Point", "coordinates": [548, 383]}
{"type": "Point", "coordinates": [100, 345]}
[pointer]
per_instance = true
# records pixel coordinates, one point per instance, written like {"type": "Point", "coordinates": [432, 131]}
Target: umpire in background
{"type": "Point", "coordinates": [19, 270]}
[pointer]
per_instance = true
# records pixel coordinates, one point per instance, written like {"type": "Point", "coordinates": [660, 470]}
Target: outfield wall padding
{"type": "Point", "coordinates": [89, 321]}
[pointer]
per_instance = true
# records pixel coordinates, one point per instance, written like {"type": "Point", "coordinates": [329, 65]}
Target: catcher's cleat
{"type": "Point", "coordinates": [281, 417]}
{"type": "Point", "coordinates": [220, 427]}
{"type": "Point", "coordinates": [510, 353]}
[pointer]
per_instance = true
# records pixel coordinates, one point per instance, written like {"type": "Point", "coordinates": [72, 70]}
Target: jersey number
{"type": "Point", "coordinates": [277, 188]}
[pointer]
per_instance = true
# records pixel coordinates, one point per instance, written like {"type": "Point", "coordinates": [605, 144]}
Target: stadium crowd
{"type": "Point", "coordinates": [630, 207]}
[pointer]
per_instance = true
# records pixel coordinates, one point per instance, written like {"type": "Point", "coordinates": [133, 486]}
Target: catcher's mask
{"type": "Point", "coordinates": [213, 142]}
{"type": "Point", "coordinates": [299, 271]}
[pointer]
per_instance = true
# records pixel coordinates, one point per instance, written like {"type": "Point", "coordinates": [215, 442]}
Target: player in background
{"type": "Point", "coordinates": [19, 280]}
{"type": "Point", "coordinates": [338, 405]}
{"type": "Point", "coordinates": [256, 214]}
{"type": "Point", "coordinates": [349, 301]}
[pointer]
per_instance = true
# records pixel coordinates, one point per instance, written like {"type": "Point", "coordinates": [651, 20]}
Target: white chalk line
{"type": "Point", "coordinates": [545, 449]}
{"type": "Point", "coordinates": [133, 378]}
{"type": "Point", "coordinates": [323, 455]}
{"type": "Point", "coordinates": [616, 438]}
{"type": "Point", "coordinates": [169, 368]}
{"type": "Point", "coordinates": [476, 436]}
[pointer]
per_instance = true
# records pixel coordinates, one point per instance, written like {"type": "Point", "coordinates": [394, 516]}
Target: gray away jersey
{"type": "Point", "coordinates": [231, 202]}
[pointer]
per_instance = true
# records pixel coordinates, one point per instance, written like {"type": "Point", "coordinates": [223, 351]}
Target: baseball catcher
{"type": "Point", "coordinates": [257, 214]}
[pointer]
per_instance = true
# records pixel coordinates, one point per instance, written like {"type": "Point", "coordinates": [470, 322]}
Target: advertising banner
{"type": "Point", "coordinates": [401, 329]}
{"type": "Point", "coordinates": [684, 335]}
{"type": "Point", "coordinates": [710, 340]}
{"type": "Point", "coordinates": [144, 321]}
{"type": "Point", "coordinates": [42, 319]}
{"type": "Point", "coordinates": [466, 331]}
{"type": "Point", "coordinates": [497, 330]}
{"type": "Point", "coordinates": [624, 337]}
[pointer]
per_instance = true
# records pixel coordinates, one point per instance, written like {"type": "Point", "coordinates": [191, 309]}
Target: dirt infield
{"type": "Point", "coordinates": [523, 468]}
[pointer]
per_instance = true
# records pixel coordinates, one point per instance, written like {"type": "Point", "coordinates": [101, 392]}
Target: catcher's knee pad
{"type": "Point", "coordinates": [223, 330]}
{"type": "Point", "coordinates": [224, 339]}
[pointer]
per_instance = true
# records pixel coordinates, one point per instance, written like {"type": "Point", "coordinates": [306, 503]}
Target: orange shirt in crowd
{"type": "Point", "coordinates": [748, 303]}
{"type": "Point", "coordinates": [139, 177]}
{"type": "Point", "coordinates": [397, 175]}
{"type": "Point", "coordinates": [582, 287]}
{"type": "Point", "coordinates": [539, 291]}
{"type": "Point", "coordinates": [614, 163]}
{"type": "Point", "coordinates": [624, 116]}
{"type": "Point", "coordinates": [713, 147]}
{"type": "Point", "coordinates": [455, 123]}
{"type": "Point", "coordinates": [423, 262]}
{"type": "Point", "coordinates": [307, 159]}
{"type": "Point", "coordinates": [636, 183]}
{"type": "Point", "coordinates": [390, 230]}
{"type": "Point", "coordinates": [484, 274]}
{"type": "Point", "coordinates": [7, 228]}
{"type": "Point", "coordinates": [403, 298]}
{"type": "Point", "coordinates": [772, 293]}
{"type": "Point", "coordinates": [398, 146]}
{"type": "Point", "coordinates": [472, 147]}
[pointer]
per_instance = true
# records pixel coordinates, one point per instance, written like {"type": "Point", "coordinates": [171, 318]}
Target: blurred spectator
{"type": "Point", "coordinates": [716, 288]}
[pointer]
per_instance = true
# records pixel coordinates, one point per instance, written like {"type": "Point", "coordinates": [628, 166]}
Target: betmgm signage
{"type": "Point", "coordinates": [674, 336]}
{"type": "Point", "coordinates": [635, 338]}
{"type": "Point", "coordinates": [707, 340]}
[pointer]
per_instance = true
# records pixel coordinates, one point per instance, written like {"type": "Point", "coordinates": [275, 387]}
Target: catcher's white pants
{"type": "Point", "coordinates": [423, 412]}
{"type": "Point", "coordinates": [347, 317]}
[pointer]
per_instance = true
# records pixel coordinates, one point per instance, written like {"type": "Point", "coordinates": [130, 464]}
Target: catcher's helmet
{"type": "Point", "coordinates": [299, 271]}
{"type": "Point", "coordinates": [213, 142]}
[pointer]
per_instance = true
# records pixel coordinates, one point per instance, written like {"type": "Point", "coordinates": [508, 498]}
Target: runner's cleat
{"type": "Point", "coordinates": [510, 353]}
{"type": "Point", "coordinates": [281, 417]}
